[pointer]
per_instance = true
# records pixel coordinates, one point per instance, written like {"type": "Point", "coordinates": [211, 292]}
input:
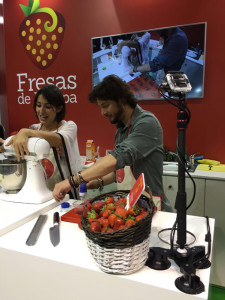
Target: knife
{"type": "Point", "coordinates": [54, 231]}
{"type": "Point", "coordinates": [35, 232]}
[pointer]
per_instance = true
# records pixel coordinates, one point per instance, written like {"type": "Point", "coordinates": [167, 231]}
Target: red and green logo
{"type": "Point", "coordinates": [41, 33]}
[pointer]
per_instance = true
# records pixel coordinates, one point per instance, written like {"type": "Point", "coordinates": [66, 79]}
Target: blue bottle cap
{"type": "Point", "coordinates": [82, 188]}
{"type": "Point", "coordinates": [65, 205]}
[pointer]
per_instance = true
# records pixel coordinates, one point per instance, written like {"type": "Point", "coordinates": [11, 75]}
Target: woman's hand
{"type": "Point", "coordinates": [19, 142]}
{"type": "Point", "coordinates": [61, 189]}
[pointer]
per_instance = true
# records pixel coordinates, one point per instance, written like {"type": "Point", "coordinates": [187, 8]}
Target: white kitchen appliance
{"type": "Point", "coordinates": [35, 189]}
{"type": "Point", "coordinates": [125, 64]}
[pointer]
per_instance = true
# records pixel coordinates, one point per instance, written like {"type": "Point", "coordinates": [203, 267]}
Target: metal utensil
{"type": "Point", "coordinates": [12, 175]}
{"type": "Point", "coordinates": [54, 231]}
{"type": "Point", "coordinates": [35, 232]}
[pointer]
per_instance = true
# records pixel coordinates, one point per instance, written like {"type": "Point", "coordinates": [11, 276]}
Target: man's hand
{"type": "Point", "coordinates": [61, 189]}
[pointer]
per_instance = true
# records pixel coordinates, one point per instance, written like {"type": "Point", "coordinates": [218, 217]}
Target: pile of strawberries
{"type": "Point", "coordinates": [111, 215]}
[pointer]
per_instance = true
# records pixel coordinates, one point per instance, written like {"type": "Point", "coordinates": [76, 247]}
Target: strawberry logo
{"type": "Point", "coordinates": [48, 167]}
{"type": "Point", "coordinates": [41, 33]}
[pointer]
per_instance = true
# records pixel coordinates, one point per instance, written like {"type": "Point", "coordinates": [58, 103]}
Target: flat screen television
{"type": "Point", "coordinates": [176, 48]}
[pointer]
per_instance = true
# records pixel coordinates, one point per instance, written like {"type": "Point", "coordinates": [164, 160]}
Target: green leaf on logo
{"type": "Point", "coordinates": [31, 8]}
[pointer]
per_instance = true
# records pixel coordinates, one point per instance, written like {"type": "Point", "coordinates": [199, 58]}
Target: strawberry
{"type": "Point", "coordinates": [118, 223]}
{"type": "Point", "coordinates": [85, 213]}
{"type": "Point", "coordinates": [121, 212]}
{"type": "Point", "coordinates": [141, 216]}
{"type": "Point", "coordinates": [112, 219]}
{"type": "Point", "coordinates": [91, 220]}
{"type": "Point", "coordinates": [133, 211]}
{"type": "Point", "coordinates": [121, 227]}
{"type": "Point", "coordinates": [104, 229]}
{"type": "Point", "coordinates": [98, 205]}
{"type": "Point", "coordinates": [86, 209]}
{"type": "Point", "coordinates": [110, 206]}
{"type": "Point", "coordinates": [129, 222]}
{"type": "Point", "coordinates": [121, 202]}
{"type": "Point", "coordinates": [109, 200]}
{"type": "Point", "coordinates": [103, 222]}
{"type": "Point", "coordinates": [96, 227]}
{"type": "Point", "coordinates": [88, 205]}
{"type": "Point", "coordinates": [79, 209]}
{"type": "Point", "coordinates": [106, 213]}
{"type": "Point", "coordinates": [41, 33]}
{"type": "Point", "coordinates": [100, 214]}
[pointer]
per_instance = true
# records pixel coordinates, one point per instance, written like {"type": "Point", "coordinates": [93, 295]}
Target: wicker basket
{"type": "Point", "coordinates": [124, 251]}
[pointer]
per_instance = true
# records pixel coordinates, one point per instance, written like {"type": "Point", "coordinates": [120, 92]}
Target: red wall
{"type": "Point", "coordinates": [3, 100]}
{"type": "Point", "coordinates": [87, 19]}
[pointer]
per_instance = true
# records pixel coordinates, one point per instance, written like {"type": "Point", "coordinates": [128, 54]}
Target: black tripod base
{"type": "Point", "coordinates": [190, 284]}
{"type": "Point", "coordinates": [200, 261]}
{"type": "Point", "coordinates": [158, 259]}
{"type": "Point", "coordinates": [193, 258]}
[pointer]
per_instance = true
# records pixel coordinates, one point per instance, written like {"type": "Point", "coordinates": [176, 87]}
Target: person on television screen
{"type": "Point", "coordinates": [138, 145]}
{"type": "Point", "coordinates": [140, 42]}
{"type": "Point", "coordinates": [172, 56]}
{"type": "Point", "coordinates": [49, 107]}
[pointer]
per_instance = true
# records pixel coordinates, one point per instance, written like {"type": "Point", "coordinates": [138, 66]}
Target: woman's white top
{"type": "Point", "coordinates": [68, 130]}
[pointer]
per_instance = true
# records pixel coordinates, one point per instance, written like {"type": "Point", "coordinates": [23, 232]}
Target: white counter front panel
{"type": "Point", "coordinates": [68, 271]}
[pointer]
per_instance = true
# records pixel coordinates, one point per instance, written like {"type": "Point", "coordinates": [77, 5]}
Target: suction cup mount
{"type": "Point", "coordinates": [188, 260]}
{"type": "Point", "coordinates": [158, 259]}
{"type": "Point", "coordinates": [190, 284]}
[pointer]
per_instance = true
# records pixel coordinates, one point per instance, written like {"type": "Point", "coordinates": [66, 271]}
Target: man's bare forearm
{"type": "Point", "coordinates": [101, 168]}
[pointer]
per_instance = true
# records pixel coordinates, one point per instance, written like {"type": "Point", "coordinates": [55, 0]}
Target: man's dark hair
{"type": "Point", "coordinates": [166, 32]}
{"type": "Point", "coordinates": [113, 88]}
{"type": "Point", "coordinates": [54, 97]}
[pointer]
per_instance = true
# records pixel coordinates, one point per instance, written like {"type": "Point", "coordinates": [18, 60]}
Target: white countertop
{"type": "Point", "coordinates": [15, 214]}
{"type": "Point", "coordinates": [69, 272]}
{"type": "Point", "coordinates": [200, 174]}
{"type": "Point", "coordinates": [171, 168]}
{"type": "Point", "coordinates": [112, 67]}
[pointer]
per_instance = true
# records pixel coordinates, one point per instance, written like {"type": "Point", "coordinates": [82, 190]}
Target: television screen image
{"type": "Point", "coordinates": [143, 58]}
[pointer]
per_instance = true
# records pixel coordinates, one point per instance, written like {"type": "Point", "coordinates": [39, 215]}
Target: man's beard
{"type": "Point", "coordinates": [117, 116]}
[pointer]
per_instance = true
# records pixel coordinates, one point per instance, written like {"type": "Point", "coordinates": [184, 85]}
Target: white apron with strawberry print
{"type": "Point", "coordinates": [68, 130]}
{"type": "Point", "coordinates": [51, 170]}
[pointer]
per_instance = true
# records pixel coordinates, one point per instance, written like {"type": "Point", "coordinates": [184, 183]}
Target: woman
{"type": "Point", "coordinates": [49, 107]}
